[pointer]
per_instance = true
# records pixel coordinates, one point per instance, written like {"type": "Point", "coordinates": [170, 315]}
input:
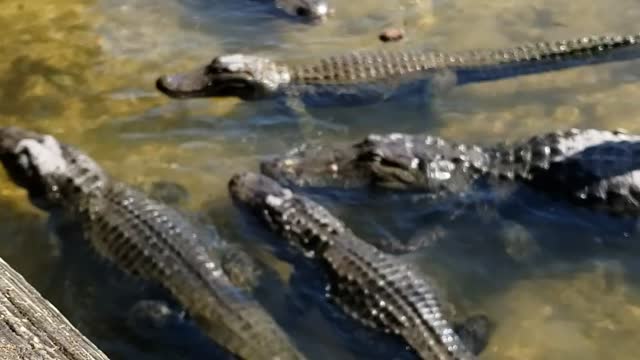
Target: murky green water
{"type": "Point", "coordinates": [558, 284]}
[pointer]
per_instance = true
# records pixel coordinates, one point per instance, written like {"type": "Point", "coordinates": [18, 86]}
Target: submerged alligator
{"type": "Point", "coordinates": [372, 287]}
{"type": "Point", "coordinates": [593, 168]}
{"type": "Point", "coordinates": [310, 10]}
{"type": "Point", "coordinates": [361, 78]}
{"type": "Point", "coordinates": [144, 238]}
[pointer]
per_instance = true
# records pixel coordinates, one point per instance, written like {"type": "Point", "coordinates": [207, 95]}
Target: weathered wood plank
{"type": "Point", "coordinates": [31, 328]}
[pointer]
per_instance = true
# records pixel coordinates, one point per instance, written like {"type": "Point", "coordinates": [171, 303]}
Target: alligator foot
{"type": "Point", "coordinates": [424, 239]}
{"type": "Point", "coordinates": [241, 269]}
{"type": "Point", "coordinates": [168, 192]}
{"type": "Point", "coordinates": [475, 332]}
{"type": "Point", "coordinates": [441, 83]}
{"type": "Point", "coordinates": [309, 125]}
{"type": "Point", "coordinates": [149, 316]}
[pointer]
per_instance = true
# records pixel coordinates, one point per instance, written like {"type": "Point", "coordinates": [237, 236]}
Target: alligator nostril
{"type": "Point", "coordinates": [303, 11]}
{"type": "Point", "coordinates": [165, 83]}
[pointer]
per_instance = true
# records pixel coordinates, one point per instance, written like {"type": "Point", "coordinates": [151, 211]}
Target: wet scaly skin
{"type": "Point", "coordinates": [145, 238]}
{"type": "Point", "coordinates": [597, 169]}
{"type": "Point", "coordinates": [374, 288]}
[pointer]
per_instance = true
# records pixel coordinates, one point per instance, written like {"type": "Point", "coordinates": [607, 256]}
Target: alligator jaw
{"type": "Point", "coordinates": [255, 191]}
{"type": "Point", "coordinates": [11, 136]}
{"type": "Point", "coordinates": [185, 85]}
{"type": "Point", "coordinates": [35, 162]}
{"type": "Point", "coordinates": [311, 11]}
{"type": "Point", "coordinates": [317, 166]}
{"type": "Point", "coordinates": [24, 157]}
{"type": "Point", "coordinates": [204, 83]}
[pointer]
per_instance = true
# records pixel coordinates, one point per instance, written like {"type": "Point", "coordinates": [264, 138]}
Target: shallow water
{"type": "Point", "coordinates": [559, 283]}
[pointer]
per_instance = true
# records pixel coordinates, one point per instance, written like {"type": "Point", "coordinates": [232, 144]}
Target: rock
{"type": "Point", "coordinates": [391, 34]}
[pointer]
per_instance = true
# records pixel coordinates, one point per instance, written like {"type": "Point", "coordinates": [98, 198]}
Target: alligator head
{"type": "Point", "coordinates": [385, 160]}
{"type": "Point", "coordinates": [244, 76]}
{"type": "Point", "coordinates": [304, 223]}
{"type": "Point", "coordinates": [311, 10]}
{"type": "Point", "coordinates": [253, 190]}
{"type": "Point", "coordinates": [400, 161]}
{"type": "Point", "coordinates": [396, 161]}
{"type": "Point", "coordinates": [48, 170]}
{"type": "Point", "coordinates": [260, 195]}
{"type": "Point", "coordinates": [319, 166]}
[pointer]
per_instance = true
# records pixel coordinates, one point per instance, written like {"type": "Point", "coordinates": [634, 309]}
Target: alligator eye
{"type": "Point", "coordinates": [370, 157]}
{"type": "Point", "coordinates": [216, 69]}
{"type": "Point", "coordinates": [392, 164]}
{"type": "Point", "coordinates": [302, 11]}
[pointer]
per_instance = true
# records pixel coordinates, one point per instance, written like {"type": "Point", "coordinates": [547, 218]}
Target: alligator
{"type": "Point", "coordinates": [146, 239]}
{"type": "Point", "coordinates": [310, 10]}
{"type": "Point", "coordinates": [374, 288]}
{"type": "Point", "coordinates": [362, 78]}
{"type": "Point", "coordinates": [592, 168]}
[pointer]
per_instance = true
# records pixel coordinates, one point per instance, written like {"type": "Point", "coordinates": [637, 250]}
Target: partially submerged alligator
{"type": "Point", "coordinates": [145, 238]}
{"type": "Point", "coordinates": [310, 10]}
{"type": "Point", "coordinates": [372, 287]}
{"type": "Point", "coordinates": [361, 78]}
{"type": "Point", "coordinates": [594, 168]}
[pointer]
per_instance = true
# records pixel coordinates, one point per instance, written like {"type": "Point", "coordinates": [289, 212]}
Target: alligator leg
{"type": "Point", "coordinates": [241, 269]}
{"type": "Point", "coordinates": [475, 332]}
{"type": "Point", "coordinates": [168, 192]}
{"type": "Point", "coordinates": [309, 125]}
{"type": "Point", "coordinates": [425, 239]}
{"type": "Point", "coordinates": [432, 218]}
{"type": "Point", "coordinates": [309, 296]}
{"type": "Point", "coordinates": [147, 317]}
{"type": "Point", "coordinates": [441, 83]}
{"type": "Point", "coordinates": [245, 271]}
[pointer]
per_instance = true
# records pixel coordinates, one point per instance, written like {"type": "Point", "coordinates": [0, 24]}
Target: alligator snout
{"type": "Point", "coordinates": [255, 190]}
{"type": "Point", "coordinates": [279, 168]}
{"type": "Point", "coordinates": [11, 136]}
{"type": "Point", "coordinates": [314, 11]}
{"type": "Point", "coordinates": [182, 85]}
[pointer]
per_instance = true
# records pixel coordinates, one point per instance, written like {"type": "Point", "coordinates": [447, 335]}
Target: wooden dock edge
{"type": "Point", "coordinates": [32, 328]}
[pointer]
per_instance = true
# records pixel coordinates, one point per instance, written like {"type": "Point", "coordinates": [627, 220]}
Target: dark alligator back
{"type": "Point", "coordinates": [469, 66]}
{"type": "Point", "coordinates": [597, 169]}
{"type": "Point", "coordinates": [377, 289]}
{"type": "Point", "coordinates": [151, 240]}
{"type": "Point", "coordinates": [367, 77]}
{"type": "Point", "coordinates": [593, 168]}
{"type": "Point", "coordinates": [145, 238]}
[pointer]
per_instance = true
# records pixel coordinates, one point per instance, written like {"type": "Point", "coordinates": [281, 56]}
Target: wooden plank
{"type": "Point", "coordinates": [32, 328]}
